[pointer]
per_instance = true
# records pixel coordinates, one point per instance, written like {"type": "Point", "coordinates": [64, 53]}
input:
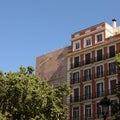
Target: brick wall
{"type": "Point", "coordinates": [52, 67]}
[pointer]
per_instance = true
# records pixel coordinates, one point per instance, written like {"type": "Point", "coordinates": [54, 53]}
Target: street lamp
{"type": "Point", "coordinates": [105, 102]}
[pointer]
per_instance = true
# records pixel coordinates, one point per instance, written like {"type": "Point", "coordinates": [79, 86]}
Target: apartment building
{"type": "Point", "coordinates": [52, 66]}
{"type": "Point", "coordinates": [91, 71]}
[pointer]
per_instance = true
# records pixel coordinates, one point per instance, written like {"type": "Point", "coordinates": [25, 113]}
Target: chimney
{"type": "Point", "coordinates": [114, 23]}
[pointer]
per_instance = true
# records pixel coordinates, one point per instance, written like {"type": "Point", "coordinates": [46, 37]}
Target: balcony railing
{"type": "Point", "coordinates": [99, 74]}
{"type": "Point", "coordinates": [95, 116]}
{"type": "Point", "coordinates": [86, 78]}
{"type": "Point", "coordinates": [99, 58]}
{"type": "Point", "coordinates": [100, 94]}
{"type": "Point", "coordinates": [95, 59]}
{"type": "Point", "coordinates": [112, 91]}
{"type": "Point", "coordinates": [74, 81]}
{"type": "Point", "coordinates": [92, 96]}
{"type": "Point", "coordinates": [75, 65]}
{"type": "Point", "coordinates": [93, 76]}
{"type": "Point", "coordinates": [88, 117]}
{"type": "Point", "coordinates": [75, 99]}
{"type": "Point", "coordinates": [87, 96]}
{"type": "Point", "coordinates": [112, 72]}
{"type": "Point", "coordinates": [76, 118]}
{"type": "Point", "coordinates": [86, 62]}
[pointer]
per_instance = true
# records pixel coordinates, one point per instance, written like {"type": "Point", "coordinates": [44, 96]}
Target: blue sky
{"type": "Point", "coordinates": [30, 28]}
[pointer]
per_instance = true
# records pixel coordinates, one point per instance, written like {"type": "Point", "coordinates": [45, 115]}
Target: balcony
{"type": "Point", "coordinates": [88, 117]}
{"type": "Point", "coordinates": [95, 59]}
{"type": "Point", "coordinates": [76, 118]}
{"type": "Point", "coordinates": [99, 58]}
{"type": "Point", "coordinates": [77, 80]}
{"type": "Point", "coordinates": [112, 91]}
{"type": "Point", "coordinates": [112, 54]}
{"type": "Point", "coordinates": [87, 96]}
{"type": "Point", "coordinates": [75, 65]}
{"type": "Point", "coordinates": [86, 78]}
{"type": "Point", "coordinates": [99, 75]}
{"type": "Point", "coordinates": [112, 72]}
{"type": "Point", "coordinates": [87, 61]}
{"type": "Point", "coordinates": [100, 94]}
{"type": "Point", "coordinates": [75, 99]}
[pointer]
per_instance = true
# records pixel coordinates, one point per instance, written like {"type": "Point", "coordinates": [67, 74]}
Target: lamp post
{"type": "Point", "coordinates": [105, 102]}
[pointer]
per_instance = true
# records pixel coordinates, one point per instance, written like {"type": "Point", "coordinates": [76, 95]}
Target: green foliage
{"type": "Point", "coordinates": [24, 97]}
{"type": "Point", "coordinates": [116, 106]}
{"type": "Point", "coordinates": [117, 59]}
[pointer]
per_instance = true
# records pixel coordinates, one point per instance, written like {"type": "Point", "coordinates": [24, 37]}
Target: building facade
{"type": "Point", "coordinates": [52, 67]}
{"type": "Point", "coordinates": [91, 71]}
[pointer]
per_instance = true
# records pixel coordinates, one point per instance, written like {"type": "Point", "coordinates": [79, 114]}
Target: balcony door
{"type": "Point", "coordinates": [76, 94]}
{"type": "Point", "coordinates": [99, 89]}
{"type": "Point", "coordinates": [87, 74]}
{"type": "Point", "coordinates": [76, 61]}
{"type": "Point", "coordinates": [87, 58]}
{"type": "Point", "coordinates": [75, 77]}
{"type": "Point", "coordinates": [112, 68]}
{"type": "Point", "coordinates": [87, 112]}
{"type": "Point", "coordinates": [99, 55]}
{"type": "Point", "coordinates": [76, 113]}
{"type": "Point", "coordinates": [99, 71]}
{"type": "Point", "coordinates": [112, 86]}
{"type": "Point", "coordinates": [87, 92]}
{"type": "Point", "coordinates": [111, 51]}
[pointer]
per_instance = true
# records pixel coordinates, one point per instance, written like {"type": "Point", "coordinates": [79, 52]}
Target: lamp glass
{"type": "Point", "coordinates": [105, 108]}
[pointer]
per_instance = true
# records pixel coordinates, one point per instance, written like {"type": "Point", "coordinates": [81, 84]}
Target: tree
{"type": "Point", "coordinates": [116, 106]}
{"type": "Point", "coordinates": [23, 96]}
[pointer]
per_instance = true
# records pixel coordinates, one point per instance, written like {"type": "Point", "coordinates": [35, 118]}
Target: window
{"type": "Point", "coordinates": [87, 112]}
{"type": "Point", "coordinates": [99, 111]}
{"type": "Point", "coordinates": [88, 92]}
{"type": "Point", "coordinates": [76, 113]}
{"type": "Point", "coordinates": [111, 51]}
{"type": "Point", "coordinates": [99, 37]}
{"type": "Point", "coordinates": [76, 94]}
{"type": "Point", "coordinates": [114, 107]}
{"type": "Point", "coordinates": [112, 87]}
{"type": "Point", "coordinates": [112, 68]}
{"type": "Point", "coordinates": [76, 45]}
{"type": "Point", "coordinates": [99, 55]}
{"type": "Point", "coordinates": [87, 74]}
{"type": "Point", "coordinates": [100, 71]}
{"type": "Point", "coordinates": [75, 77]}
{"type": "Point", "coordinates": [99, 89]}
{"type": "Point", "coordinates": [87, 41]}
{"type": "Point", "coordinates": [87, 58]}
{"type": "Point", "coordinates": [76, 61]}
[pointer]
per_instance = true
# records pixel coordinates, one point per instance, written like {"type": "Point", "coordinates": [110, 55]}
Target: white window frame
{"type": "Point", "coordinates": [73, 90]}
{"type": "Point", "coordinates": [101, 109]}
{"type": "Point", "coordinates": [74, 45]}
{"type": "Point", "coordinates": [85, 40]}
{"type": "Point", "coordinates": [90, 88]}
{"type": "Point", "coordinates": [110, 46]}
{"type": "Point", "coordinates": [75, 107]}
{"type": "Point", "coordinates": [100, 88]}
{"type": "Point", "coordinates": [101, 33]}
{"type": "Point", "coordinates": [91, 107]}
{"type": "Point", "coordinates": [113, 78]}
{"type": "Point", "coordinates": [98, 66]}
{"type": "Point", "coordinates": [74, 58]}
{"type": "Point", "coordinates": [100, 81]}
{"type": "Point", "coordinates": [77, 76]}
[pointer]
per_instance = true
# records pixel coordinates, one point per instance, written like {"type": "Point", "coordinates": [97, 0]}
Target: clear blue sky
{"type": "Point", "coordinates": [30, 28]}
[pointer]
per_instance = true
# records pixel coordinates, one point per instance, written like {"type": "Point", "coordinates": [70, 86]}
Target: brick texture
{"type": "Point", "coordinates": [52, 67]}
